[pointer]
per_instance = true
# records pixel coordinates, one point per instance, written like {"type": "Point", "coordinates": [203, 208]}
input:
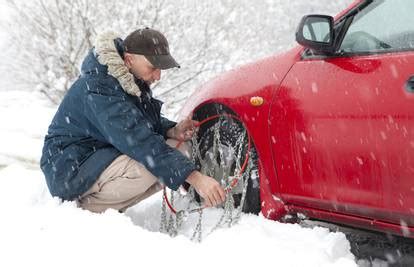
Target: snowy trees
{"type": "Point", "coordinates": [49, 38]}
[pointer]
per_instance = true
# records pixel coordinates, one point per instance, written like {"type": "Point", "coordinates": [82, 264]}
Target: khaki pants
{"type": "Point", "coordinates": [124, 183]}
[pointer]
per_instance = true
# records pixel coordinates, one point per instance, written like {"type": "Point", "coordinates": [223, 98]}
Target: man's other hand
{"type": "Point", "coordinates": [208, 188]}
{"type": "Point", "coordinates": [183, 131]}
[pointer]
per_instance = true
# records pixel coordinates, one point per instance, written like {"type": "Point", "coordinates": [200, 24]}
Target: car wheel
{"type": "Point", "coordinates": [221, 148]}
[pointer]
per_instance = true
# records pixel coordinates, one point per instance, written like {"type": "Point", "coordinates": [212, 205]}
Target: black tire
{"type": "Point", "coordinates": [229, 131]}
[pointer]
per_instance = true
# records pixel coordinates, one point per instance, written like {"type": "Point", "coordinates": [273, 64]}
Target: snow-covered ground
{"type": "Point", "coordinates": [38, 230]}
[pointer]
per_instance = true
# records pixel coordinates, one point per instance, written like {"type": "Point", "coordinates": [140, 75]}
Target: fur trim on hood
{"type": "Point", "coordinates": [108, 55]}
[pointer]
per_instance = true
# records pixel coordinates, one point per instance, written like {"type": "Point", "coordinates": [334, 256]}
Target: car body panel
{"type": "Point", "coordinates": [345, 129]}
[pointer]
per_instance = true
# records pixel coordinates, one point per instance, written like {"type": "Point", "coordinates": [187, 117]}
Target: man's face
{"type": "Point", "coordinates": [140, 67]}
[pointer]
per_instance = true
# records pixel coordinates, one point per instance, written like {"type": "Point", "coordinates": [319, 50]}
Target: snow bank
{"type": "Point", "coordinates": [24, 118]}
{"type": "Point", "coordinates": [39, 230]}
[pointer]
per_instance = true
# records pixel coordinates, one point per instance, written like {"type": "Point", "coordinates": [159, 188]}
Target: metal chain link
{"type": "Point", "coordinates": [229, 211]}
{"type": "Point", "coordinates": [198, 233]}
{"type": "Point", "coordinates": [163, 224]}
{"type": "Point", "coordinates": [244, 182]}
{"type": "Point", "coordinates": [173, 231]}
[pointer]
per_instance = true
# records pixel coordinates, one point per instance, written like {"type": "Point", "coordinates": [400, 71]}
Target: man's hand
{"type": "Point", "coordinates": [183, 131]}
{"type": "Point", "coordinates": [208, 188]}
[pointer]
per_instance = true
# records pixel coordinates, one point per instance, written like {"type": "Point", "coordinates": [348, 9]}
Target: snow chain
{"type": "Point", "coordinates": [172, 222]}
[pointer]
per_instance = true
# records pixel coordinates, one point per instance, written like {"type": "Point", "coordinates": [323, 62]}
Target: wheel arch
{"type": "Point", "coordinates": [272, 207]}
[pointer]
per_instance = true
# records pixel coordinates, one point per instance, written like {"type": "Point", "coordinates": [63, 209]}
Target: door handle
{"type": "Point", "coordinates": [409, 86]}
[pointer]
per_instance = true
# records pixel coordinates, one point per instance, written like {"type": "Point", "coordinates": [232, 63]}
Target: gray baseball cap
{"type": "Point", "coordinates": [153, 45]}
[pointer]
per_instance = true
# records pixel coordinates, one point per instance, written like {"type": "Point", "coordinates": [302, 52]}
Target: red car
{"type": "Point", "coordinates": [331, 121]}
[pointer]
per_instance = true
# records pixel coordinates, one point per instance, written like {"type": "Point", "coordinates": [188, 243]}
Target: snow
{"type": "Point", "coordinates": [39, 230]}
{"type": "Point", "coordinates": [24, 119]}
{"type": "Point", "coordinates": [314, 88]}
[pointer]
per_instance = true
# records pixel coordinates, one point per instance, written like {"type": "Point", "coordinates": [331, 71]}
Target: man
{"type": "Point", "coordinates": [106, 146]}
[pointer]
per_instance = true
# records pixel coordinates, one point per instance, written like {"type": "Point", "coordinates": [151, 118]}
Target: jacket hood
{"type": "Point", "coordinates": [106, 58]}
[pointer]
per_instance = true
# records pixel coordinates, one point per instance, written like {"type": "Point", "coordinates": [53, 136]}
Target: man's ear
{"type": "Point", "coordinates": [127, 60]}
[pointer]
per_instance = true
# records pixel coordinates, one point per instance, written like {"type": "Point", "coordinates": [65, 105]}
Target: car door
{"type": "Point", "coordinates": [342, 126]}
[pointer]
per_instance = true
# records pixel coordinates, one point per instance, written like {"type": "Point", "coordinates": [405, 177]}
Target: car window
{"type": "Point", "coordinates": [384, 25]}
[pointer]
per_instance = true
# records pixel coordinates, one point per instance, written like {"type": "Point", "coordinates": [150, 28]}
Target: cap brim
{"type": "Point", "coordinates": [163, 62]}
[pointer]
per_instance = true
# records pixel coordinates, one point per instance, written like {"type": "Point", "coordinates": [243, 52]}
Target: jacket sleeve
{"type": "Point", "coordinates": [166, 125]}
{"type": "Point", "coordinates": [125, 127]}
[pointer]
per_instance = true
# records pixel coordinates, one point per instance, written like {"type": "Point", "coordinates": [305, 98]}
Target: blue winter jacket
{"type": "Point", "coordinates": [96, 122]}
